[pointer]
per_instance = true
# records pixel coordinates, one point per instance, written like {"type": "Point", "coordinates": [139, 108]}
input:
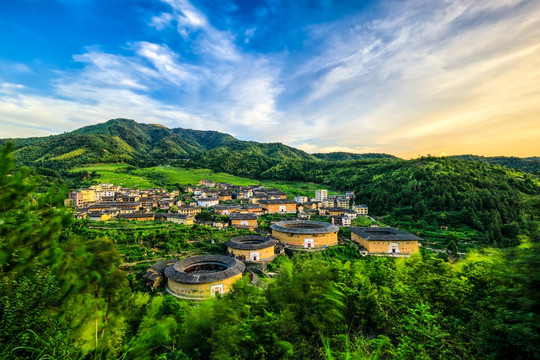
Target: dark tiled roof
{"type": "Point", "coordinates": [136, 215]}
{"type": "Point", "coordinates": [176, 216]}
{"type": "Point", "coordinates": [226, 207]}
{"type": "Point", "coordinates": [240, 216]}
{"type": "Point", "coordinates": [383, 234]}
{"type": "Point", "coordinates": [277, 202]}
{"type": "Point", "coordinates": [176, 272]}
{"type": "Point", "coordinates": [304, 227]}
{"type": "Point", "coordinates": [251, 207]}
{"type": "Point", "coordinates": [115, 204]}
{"type": "Point", "coordinates": [250, 242]}
{"type": "Point", "coordinates": [345, 210]}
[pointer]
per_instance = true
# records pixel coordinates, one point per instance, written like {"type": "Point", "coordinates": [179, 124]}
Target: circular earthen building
{"type": "Point", "coordinates": [251, 248]}
{"type": "Point", "coordinates": [305, 235]}
{"type": "Point", "coordinates": [200, 277]}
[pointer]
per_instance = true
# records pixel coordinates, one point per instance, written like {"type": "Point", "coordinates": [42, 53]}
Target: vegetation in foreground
{"type": "Point", "coordinates": [63, 296]}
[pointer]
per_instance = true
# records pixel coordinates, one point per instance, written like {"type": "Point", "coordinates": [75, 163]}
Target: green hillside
{"type": "Point", "coordinates": [123, 140]}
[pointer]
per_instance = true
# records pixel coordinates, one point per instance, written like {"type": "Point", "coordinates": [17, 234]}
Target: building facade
{"type": "Point", "coordinates": [385, 241]}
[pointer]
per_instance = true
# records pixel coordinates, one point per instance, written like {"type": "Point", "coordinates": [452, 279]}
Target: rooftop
{"type": "Point", "coordinates": [277, 201]}
{"type": "Point", "coordinates": [241, 216]}
{"type": "Point", "coordinates": [304, 227]}
{"type": "Point", "coordinates": [204, 269]}
{"type": "Point", "coordinates": [250, 242]}
{"type": "Point", "coordinates": [384, 234]}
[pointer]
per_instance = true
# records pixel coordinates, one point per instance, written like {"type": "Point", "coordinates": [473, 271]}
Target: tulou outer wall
{"type": "Point", "coordinates": [320, 240]}
{"type": "Point", "coordinates": [199, 291]}
{"type": "Point", "coordinates": [245, 255]}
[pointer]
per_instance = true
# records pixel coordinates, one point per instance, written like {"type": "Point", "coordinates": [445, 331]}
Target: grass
{"type": "Point", "coordinates": [108, 173]}
{"type": "Point", "coordinates": [69, 155]}
{"type": "Point", "coordinates": [111, 173]}
{"type": "Point", "coordinates": [192, 176]}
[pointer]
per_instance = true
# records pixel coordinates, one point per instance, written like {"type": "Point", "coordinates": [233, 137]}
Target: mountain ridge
{"type": "Point", "coordinates": [125, 140]}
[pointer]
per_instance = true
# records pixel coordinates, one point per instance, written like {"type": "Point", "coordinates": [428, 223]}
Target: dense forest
{"type": "Point", "coordinates": [63, 296]}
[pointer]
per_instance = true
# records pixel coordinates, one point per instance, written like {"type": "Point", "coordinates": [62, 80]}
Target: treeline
{"type": "Point", "coordinates": [531, 165]}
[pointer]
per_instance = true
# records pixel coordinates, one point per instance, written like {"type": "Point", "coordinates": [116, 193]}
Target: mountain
{"type": "Point", "coordinates": [531, 164]}
{"type": "Point", "coordinates": [123, 140]}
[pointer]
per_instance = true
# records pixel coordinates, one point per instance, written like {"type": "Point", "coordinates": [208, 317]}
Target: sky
{"type": "Point", "coordinates": [407, 77]}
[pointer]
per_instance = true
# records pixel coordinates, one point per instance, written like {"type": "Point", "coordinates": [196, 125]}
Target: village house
{"type": "Point", "coordinates": [207, 202]}
{"type": "Point", "coordinates": [361, 209]}
{"type": "Point", "coordinates": [136, 216]}
{"type": "Point", "coordinates": [342, 201]}
{"type": "Point", "coordinates": [254, 209]}
{"type": "Point", "coordinates": [175, 218]}
{"type": "Point", "coordinates": [81, 214]}
{"type": "Point", "coordinates": [328, 203]}
{"type": "Point", "coordinates": [248, 193]}
{"type": "Point", "coordinates": [303, 216]}
{"type": "Point", "coordinates": [256, 198]}
{"type": "Point", "coordinates": [312, 205]}
{"type": "Point", "coordinates": [278, 206]}
{"type": "Point", "coordinates": [189, 210]}
{"type": "Point", "coordinates": [385, 241]}
{"type": "Point", "coordinates": [276, 194]}
{"type": "Point", "coordinates": [243, 220]}
{"type": "Point", "coordinates": [225, 196]}
{"type": "Point", "coordinates": [98, 216]}
{"type": "Point", "coordinates": [338, 211]}
{"type": "Point", "coordinates": [224, 209]}
{"type": "Point", "coordinates": [154, 274]}
{"type": "Point", "coordinates": [223, 185]}
{"type": "Point", "coordinates": [341, 220]}
{"type": "Point", "coordinates": [208, 183]}
{"type": "Point", "coordinates": [121, 207]}
{"type": "Point", "coordinates": [301, 199]}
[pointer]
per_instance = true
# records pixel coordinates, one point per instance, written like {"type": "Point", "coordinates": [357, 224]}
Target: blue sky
{"type": "Point", "coordinates": [404, 77]}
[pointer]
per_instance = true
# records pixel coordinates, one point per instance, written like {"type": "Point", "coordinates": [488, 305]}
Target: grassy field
{"type": "Point", "coordinates": [192, 176]}
{"type": "Point", "coordinates": [107, 173]}
{"type": "Point", "coordinates": [112, 173]}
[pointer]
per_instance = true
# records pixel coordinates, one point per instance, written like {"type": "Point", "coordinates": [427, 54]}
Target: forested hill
{"type": "Point", "coordinates": [122, 140]}
{"type": "Point", "coordinates": [531, 164]}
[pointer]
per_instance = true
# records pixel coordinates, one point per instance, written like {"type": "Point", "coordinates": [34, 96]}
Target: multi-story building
{"type": "Point", "coordinates": [321, 195]}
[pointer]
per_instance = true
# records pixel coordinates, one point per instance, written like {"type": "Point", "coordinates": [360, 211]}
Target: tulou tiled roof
{"type": "Point", "coordinates": [177, 271]}
{"type": "Point", "coordinates": [250, 242]}
{"type": "Point", "coordinates": [304, 227]}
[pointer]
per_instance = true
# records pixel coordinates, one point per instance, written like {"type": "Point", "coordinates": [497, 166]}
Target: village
{"type": "Point", "coordinates": [302, 225]}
